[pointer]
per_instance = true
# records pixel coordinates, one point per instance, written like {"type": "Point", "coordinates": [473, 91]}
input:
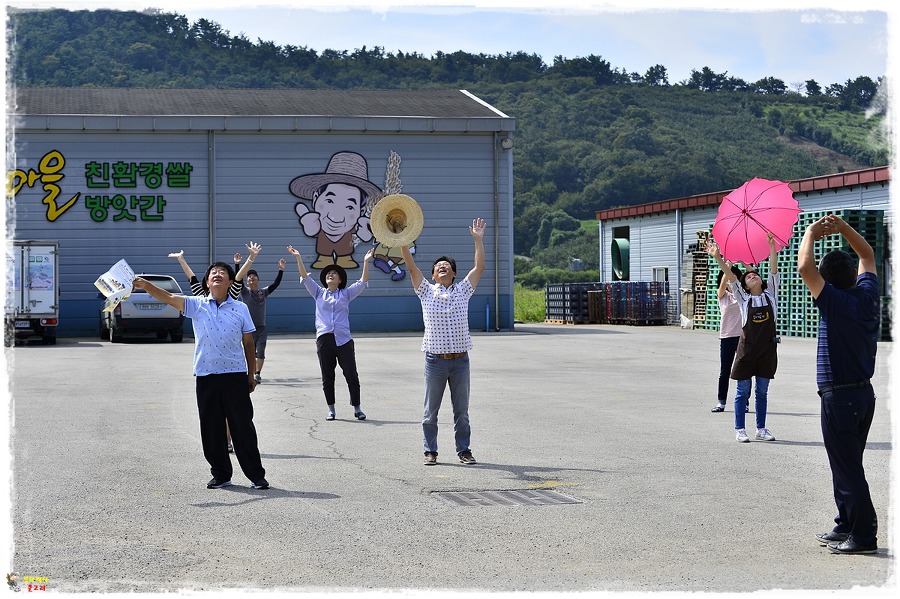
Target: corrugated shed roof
{"type": "Point", "coordinates": [877, 175]}
{"type": "Point", "coordinates": [250, 102]}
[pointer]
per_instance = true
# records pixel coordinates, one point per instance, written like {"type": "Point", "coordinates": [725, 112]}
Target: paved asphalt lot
{"type": "Point", "coordinates": [109, 489]}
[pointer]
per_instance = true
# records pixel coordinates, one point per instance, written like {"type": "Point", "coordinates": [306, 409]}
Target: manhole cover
{"type": "Point", "coordinates": [520, 497]}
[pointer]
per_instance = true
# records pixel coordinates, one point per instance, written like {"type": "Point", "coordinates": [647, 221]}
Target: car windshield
{"type": "Point", "coordinates": [166, 283]}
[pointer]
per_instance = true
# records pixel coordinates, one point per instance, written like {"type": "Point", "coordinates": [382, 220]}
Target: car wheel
{"type": "Point", "coordinates": [104, 332]}
{"type": "Point", "coordinates": [177, 335]}
{"type": "Point", "coordinates": [114, 335]}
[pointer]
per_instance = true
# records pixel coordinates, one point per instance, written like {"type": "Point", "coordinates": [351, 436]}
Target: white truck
{"type": "Point", "coordinates": [32, 291]}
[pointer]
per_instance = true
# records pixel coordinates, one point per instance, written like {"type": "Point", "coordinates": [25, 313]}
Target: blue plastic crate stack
{"type": "Point", "coordinates": [637, 302]}
{"type": "Point", "coordinates": [797, 315]}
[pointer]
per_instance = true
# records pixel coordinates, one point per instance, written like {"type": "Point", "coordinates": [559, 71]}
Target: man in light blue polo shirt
{"type": "Point", "coordinates": [224, 363]}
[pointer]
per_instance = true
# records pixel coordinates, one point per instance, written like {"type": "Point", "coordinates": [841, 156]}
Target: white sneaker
{"type": "Point", "coordinates": [741, 436]}
{"type": "Point", "coordinates": [763, 434]}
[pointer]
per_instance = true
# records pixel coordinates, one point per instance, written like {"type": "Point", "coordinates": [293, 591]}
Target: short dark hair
{"type": "Point", "coordinates": [743, 278]}
{"type": "Point", "coordinates": [228, 268]}
{"type": "Point", "coordinates": [839, 268]}
{"type": "Point", "coordinates": [252, 272]}
{"type": "Point", "coordinates": [445, 259]}
{"type": "Point", "coordinates": [734, 269]}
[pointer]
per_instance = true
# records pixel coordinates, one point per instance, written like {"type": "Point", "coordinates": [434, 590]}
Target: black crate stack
{"type": "Point", "coordinates": [569, 303]}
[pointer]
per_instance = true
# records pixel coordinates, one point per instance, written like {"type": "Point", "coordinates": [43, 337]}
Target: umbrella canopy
{"type": "Point", "coordinates": [748, 214]}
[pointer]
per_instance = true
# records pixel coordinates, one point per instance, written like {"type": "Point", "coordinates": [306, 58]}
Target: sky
{"type": "Point", "coordinates": [829, 41]}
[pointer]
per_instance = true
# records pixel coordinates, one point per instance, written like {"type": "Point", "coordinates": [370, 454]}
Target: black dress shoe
{"type": "Point", "coordinates": [832, 537]}
{"type": "Point", "coordinates": [851, 547]}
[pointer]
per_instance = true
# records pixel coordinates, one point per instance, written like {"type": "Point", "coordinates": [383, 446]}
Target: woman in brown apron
{"type": "Point", "coordinates": [757, 354]}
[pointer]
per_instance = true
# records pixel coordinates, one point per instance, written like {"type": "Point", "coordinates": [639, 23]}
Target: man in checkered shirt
{"type": "Point", "coordinates": [445, 312]}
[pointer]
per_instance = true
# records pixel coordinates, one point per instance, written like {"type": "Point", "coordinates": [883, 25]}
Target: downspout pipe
{"type": "Point", "coordinates": [211, 193]}
{"type": "Point", "coordinates": [496, 228]}
{"type": "Point", "coordinates": [600, 247]}
{"type": "Point", "coordinates": [679, 257]}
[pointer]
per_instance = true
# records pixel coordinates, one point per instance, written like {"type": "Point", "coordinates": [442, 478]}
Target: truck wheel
{"type": "Point", "coordinates": [114, 335]}
{"type": "Point", "coordinates": [177, 335]}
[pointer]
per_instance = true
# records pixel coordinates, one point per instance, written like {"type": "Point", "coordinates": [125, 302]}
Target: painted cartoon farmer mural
{"type": "Point", "coordinates": [339, 197]}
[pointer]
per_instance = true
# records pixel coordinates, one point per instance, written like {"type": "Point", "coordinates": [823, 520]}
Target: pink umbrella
{"type": "Point", "coordinates": [748, 214]}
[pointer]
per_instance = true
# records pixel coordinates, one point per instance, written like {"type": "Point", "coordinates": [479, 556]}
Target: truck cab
{"type": "Point", "coordinates": [32, 291]}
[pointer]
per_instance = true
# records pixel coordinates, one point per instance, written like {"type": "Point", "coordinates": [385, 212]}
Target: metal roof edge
{"type": "Point", "coordinates": [472, 96]}
{"type": "Point", "coordinates": [267, 123]}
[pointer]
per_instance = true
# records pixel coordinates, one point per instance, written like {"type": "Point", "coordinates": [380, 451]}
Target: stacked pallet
{"type": "Point", "coordinates": [569, 303]}
{"type": "Point", "coordinates": [801, 317]}
{"type": "Point", "coordinates": [637, 302]}
{"type": "Point", "coordinates": [620, 302]}
{"type": "Point", "coordinates": [700, 283]}
{"type": "Point", "coordinates": [797, 315]}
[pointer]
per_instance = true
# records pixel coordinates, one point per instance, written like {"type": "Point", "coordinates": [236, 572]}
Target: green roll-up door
{"type": "Point", "coordinates": [620, 259]}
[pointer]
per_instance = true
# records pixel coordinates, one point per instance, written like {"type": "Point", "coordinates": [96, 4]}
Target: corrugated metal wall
{"type": "Point", "coordinates": [450, 175]}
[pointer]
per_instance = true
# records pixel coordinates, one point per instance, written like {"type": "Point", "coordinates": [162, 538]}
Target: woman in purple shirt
{"type": "Point", "coordinates": [334, 345]}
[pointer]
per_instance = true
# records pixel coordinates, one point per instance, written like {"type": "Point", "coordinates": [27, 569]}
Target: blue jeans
{"type": "Point", "coordinates": [439, 372]}
{"type": "Point", "coordinates": [743, 396]}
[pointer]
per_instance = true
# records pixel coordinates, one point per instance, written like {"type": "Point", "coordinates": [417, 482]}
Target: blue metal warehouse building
{"type": "Point", "coordinates": [139, 173]}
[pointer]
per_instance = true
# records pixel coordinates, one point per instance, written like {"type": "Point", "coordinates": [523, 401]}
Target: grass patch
{"type": "Point", "coordinates": [530, 304]}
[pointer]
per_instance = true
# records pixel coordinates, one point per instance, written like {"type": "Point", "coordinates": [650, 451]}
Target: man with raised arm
{"type": "Point", "coordinates": [224, 360]}
{"type": "Point", "coordinates": [445, 312]}
{"type": "Point", "coordinates": [848, 299]}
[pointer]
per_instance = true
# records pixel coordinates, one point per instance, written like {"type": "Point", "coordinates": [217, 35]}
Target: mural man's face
{"type": "Point", "coordinates": [338, 206]}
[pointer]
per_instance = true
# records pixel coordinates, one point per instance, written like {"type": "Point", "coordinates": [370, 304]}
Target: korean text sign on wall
{"type": "Point", "coordinates": [104, 177]}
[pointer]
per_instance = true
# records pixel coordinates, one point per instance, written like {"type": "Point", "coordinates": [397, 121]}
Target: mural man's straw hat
{"type": "Point", "coordinates": [344, 167]}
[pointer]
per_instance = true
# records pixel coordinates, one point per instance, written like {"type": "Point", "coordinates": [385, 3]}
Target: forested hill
{"type": "Point", "coordinates": [589, 135]}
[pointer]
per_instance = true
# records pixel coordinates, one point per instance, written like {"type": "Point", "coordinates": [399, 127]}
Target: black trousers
{"type": "Point", "coordinates": [330, 355]}
{"type": "Point", "coordinates": [846, 418]}
{"type": "Point", "coordinates": [727, 349]}
{"type": "Point", "coordinates": [221, 397]}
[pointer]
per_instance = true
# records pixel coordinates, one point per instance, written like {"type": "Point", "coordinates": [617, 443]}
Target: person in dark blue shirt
{"type": "Point", "coordinates": [848, 299]}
